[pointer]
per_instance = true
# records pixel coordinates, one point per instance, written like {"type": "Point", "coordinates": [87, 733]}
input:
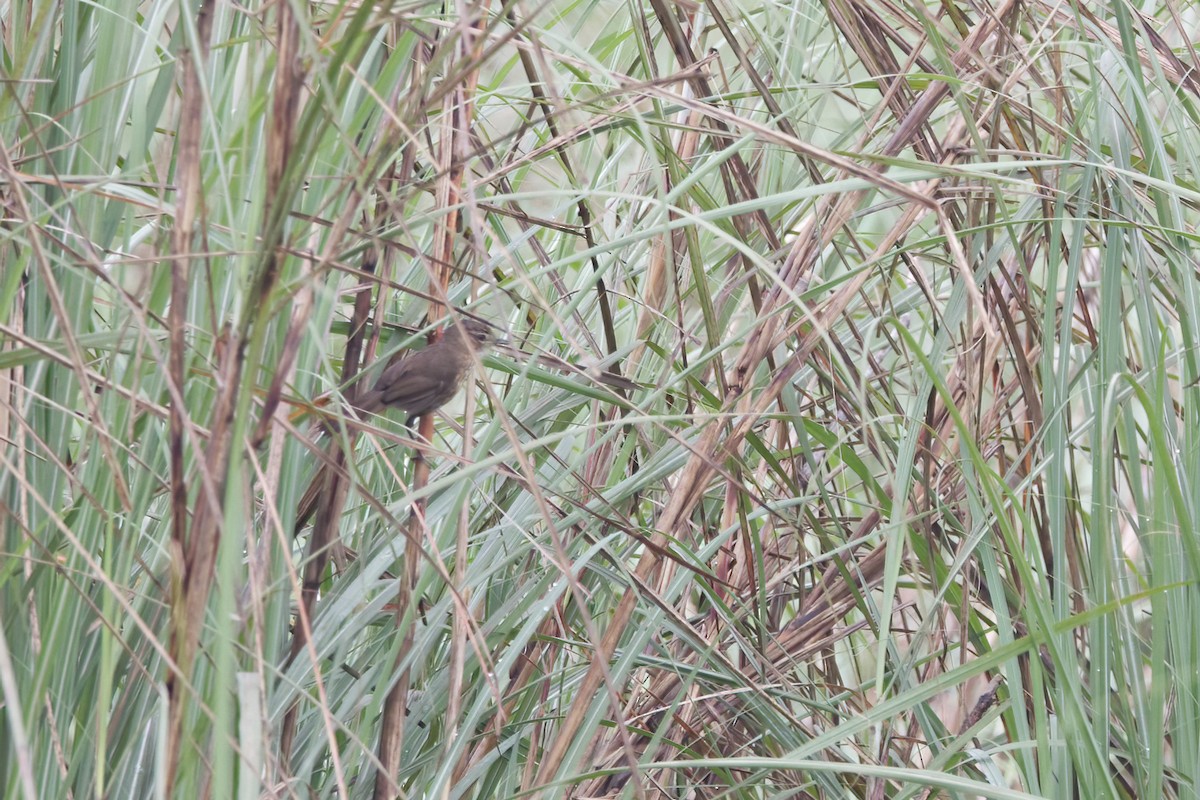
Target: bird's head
{"type": "Point", "coordinates": [480, 335]}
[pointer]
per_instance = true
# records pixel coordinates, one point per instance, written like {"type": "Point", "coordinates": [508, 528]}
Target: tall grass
{"type": "Point", "coordinates": [846, 444]}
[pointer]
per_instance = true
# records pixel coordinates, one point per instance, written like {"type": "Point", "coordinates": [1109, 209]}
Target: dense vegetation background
{"type": "Point", "coordinates": [876, 476]}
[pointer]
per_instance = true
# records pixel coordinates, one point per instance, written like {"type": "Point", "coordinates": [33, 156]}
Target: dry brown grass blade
{"type": "Point", "coordinates": [193, 549]}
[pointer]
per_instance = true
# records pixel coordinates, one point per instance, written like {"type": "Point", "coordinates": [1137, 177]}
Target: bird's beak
{"type": "Point", "coordinates": [502, 339]}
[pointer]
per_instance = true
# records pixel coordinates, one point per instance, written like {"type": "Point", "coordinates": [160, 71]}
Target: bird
{"type": "Point", "coordinates": [418, 383]}
{"type": "Point", "coordinates": [426, 380]}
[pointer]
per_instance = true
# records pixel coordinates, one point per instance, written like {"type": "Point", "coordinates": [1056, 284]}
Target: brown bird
{"type": "Point", "coordinates": [418, 383]}
{"type": "Point", "coordinates": [427, 379]}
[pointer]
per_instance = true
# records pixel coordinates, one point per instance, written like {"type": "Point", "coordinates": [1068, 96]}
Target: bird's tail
{"type": "Point", "coordinates": [370, 402]}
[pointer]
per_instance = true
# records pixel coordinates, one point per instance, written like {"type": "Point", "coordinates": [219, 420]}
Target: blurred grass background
{"type": "Point", "coordinates": [901, 502]}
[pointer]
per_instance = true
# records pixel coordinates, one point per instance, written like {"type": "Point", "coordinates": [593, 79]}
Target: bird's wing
{"type": "Point", "coordinates": [413, 390]}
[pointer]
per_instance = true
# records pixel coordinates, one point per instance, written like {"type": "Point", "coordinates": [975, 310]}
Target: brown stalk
{"type": "Point", "coordinates": [334, 488]}
{"type": "Point", "coordinates": [193, 553]}
{"type": "Point", "coordinates": [457, 109]}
